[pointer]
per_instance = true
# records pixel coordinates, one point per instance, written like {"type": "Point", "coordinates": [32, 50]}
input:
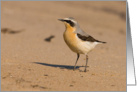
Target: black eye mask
{"type": "Point", "coordinates": [70, 22]}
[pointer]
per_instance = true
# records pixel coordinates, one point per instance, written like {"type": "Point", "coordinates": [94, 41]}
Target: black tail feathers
{"type": "Point", "coordinates": [101, 41]}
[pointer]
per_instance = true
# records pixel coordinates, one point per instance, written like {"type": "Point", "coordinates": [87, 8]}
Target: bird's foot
{"type": "Point", "coordinates": [74, 68]}
{"type": "Point", "coordinates": [85, 70]}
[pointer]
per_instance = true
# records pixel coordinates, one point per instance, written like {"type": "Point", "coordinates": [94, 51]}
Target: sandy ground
{"type": "Point", "coordinates": [31, 62]}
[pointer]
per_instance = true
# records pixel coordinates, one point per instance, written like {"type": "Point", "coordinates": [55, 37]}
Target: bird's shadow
{"type": "Point", "coordinates": [60, 66]}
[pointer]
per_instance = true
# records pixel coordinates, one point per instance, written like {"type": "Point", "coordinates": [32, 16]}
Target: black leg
{"type": "Point", "coordinates": [86, 63]}
{"type": "Point", "coordinates": [76, 61]}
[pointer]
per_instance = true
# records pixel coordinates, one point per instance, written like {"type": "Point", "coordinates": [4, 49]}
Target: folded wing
{"type": "Point", "coordinates": [88, 38]}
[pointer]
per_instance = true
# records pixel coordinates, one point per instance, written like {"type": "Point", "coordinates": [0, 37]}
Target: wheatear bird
{"type": "Point", "coordinates": [77, 40]}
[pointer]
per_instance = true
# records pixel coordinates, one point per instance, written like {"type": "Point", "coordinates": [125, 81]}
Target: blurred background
{"type": "Point", "coordinates": [34, 56]}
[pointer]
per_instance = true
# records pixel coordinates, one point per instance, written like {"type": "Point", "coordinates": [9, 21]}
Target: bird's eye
{"type": "Point", "coordinates": [70, 22]}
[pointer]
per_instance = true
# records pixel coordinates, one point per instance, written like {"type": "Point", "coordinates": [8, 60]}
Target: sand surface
{"type": "Point", "coordinates": [31, 61]}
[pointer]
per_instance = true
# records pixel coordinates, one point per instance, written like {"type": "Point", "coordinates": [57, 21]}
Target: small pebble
{"type": "Point", "coordinates": [112, 85]}
{"type": "Point", "coordinates": [45, 75]}
{"type": "Point", "coordinates": [71, 85]}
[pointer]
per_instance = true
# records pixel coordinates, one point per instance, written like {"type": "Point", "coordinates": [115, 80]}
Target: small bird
{"type": "Point", "coordinates": [77, 40]}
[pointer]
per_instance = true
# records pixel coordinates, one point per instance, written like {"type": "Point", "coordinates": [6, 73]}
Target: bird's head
{"type": "Point", "coordinates": [69, 22]}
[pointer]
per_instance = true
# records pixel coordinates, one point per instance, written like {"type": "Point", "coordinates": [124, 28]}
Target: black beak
{"type": "Point", "coordinates": [61, 19]}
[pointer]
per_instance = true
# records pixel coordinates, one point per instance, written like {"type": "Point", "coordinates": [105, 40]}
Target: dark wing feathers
{"type": "Point", "coordinates": [88, 38]}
